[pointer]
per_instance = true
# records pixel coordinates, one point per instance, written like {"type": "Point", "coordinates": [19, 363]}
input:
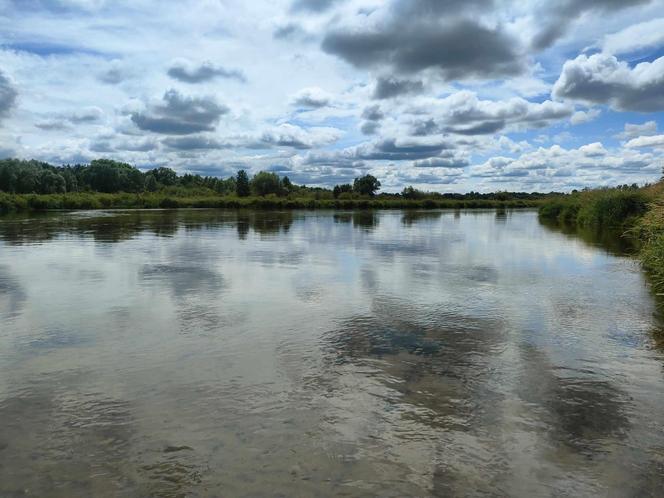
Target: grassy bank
{"type": "Point", "coordinates": [637, 212]}
{"type": "Point", "coordinates": [37, 202]}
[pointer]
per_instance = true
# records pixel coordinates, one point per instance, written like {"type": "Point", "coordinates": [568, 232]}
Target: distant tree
{"type": "Point", "coordinates": [264, 183]}
{"type": "Point", "coordinates": [224, 187]}
{"type": "Point", "coordinates": [165, 176]}
{"type": "Point", "coordinates": [71, 182]}
{"type": "Point", "coordinates": [242, 187]}
{"type": "Point", "coordinates": [502, 196]}
{"type": "Point", "coordinates": [26, 180]}
{"type": "Point", "coordinates": [135, 180]}
{"type": "Point", "coordinates": [340, 189]}
{"type": "Point", "coordinates": [287, 185]}
{"type": "Point", "coordinates": [366, 185]}
{"type": "Point", "coordinates": [105, 175]}
{"type": "Point", "coordinates": [50, 182]}
{"type": "Point", "coordinates": [8, 178]}
{"type": "Point", "coordinates": [188, 180]}
{"type": "Point", "coordinates": [412, 193]}
{"type": "Point", "coordinates": [151, 184]}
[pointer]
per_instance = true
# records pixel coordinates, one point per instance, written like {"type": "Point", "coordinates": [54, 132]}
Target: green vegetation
{"type": "Point", "coordinates": [638, 212]}
{"type": "Point", "coordinates": [106, 184]}
{"type": "Point", "coordinates": [616, 207]}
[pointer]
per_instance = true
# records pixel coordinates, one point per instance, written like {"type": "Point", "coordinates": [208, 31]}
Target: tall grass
{"type": "Point", "coordinates": [601, 208]}
{"type": "Point", "coordinates": [650, 230]}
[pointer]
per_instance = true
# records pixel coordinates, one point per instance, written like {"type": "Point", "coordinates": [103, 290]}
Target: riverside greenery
{"type": "Point", "coordinates": [105, 184]}
{"type": "Point", "coordinates": [637, 211]}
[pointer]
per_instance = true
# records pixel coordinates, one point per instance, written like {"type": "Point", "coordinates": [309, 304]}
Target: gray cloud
{"type": "Point", "coordinates": [387, 149]}
{"type": "Point", "coordinates": [85, 115]}
{"type": "Point", "coordinates": [199, 73]}
{"type": "Point", "coordinates": [373, 113]}
{"type": "Point", "coordinates": [464, 114]}
{"type": "Point", "coordinates": [560, 15]}
{"type": "Point", "coordinates": [290, 31]}
{"type": "Point", "coordinates": [312, 98]}
{"type": "Point", "coordinates": [387, 88]}
{"type": "Point", "coordinates": [457, 49]}
{"type": "Point", "coordinates": [313, 5]}
{"type": "Point", "coordinates": [424, 127]}
{"type": "Point", "coordinates": [370, 127]}
{"type": "Point", "coordinates": [391, 149]}
{"type": "Point", "coordinates": [602, 79]}
{"type": "Point", "coordinates": [55, 6]}
{"type": "Point", "coordinates": [8, 95]}
{"type": "Point", "coordinates": [429, 178]}
{"type": "Point", "coordinates": [483, 128]}
{"type": "Point", "coordinates": [194, 143]}
{"type": "Point", "coordinates": [102, 146]}
{"type": "Point", "coordinates": [116, 73]}
{"type": "Point", "coordinates": [105, 145]}
{"type": "Point", "coordinates": [446, 160]}
{"type": "Point", "coordinates": [288, 135]}
{"type": "Point", "coordinates": [180, 115]}
{"type": "Point", "coordinates": [143, 145]}
{"type": "Point", "coordinates": [52, 125]}
{"type": "Point", "coordinates": [427, 8]}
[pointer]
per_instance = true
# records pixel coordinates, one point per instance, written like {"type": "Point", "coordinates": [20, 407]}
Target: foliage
{"type": "Point", "coordinates": [104, 175]}
{"type": "Point", "coordinates": [287, 186]}
{"type": "Point", "coordinates": [265, 183]}
{"type": "Point", "coordinates": [601, 208]}
{"type": "Point", "coordinates": [366, 185]}
{"type": "Point", "coordinates": [164, 176]}
{"type": "Point", "coordinates": [242, 187]}
{"type": "Point", "coordinates": [346, 188]}
{"type": "Point", "coordinates": [412, 193]}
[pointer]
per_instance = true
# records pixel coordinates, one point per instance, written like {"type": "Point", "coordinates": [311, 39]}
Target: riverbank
{"type": "Point", "coordinates": [638, 212]}
{"type": "Point", "coordinates": [74, 201]}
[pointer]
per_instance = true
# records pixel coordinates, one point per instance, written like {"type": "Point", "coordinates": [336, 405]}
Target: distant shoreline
{"type": "Point", "coordinates": [92, 201]}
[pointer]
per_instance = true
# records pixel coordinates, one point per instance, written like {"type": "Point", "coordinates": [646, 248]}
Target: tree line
{"type": "Point", "coordinates": [108, 176]}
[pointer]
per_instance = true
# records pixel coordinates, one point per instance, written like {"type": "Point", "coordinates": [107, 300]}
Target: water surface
{"type": "Point", "coordinates": [221, 353]}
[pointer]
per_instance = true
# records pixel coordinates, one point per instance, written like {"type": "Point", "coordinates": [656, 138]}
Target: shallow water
{"type": "Point", "coordinates": [214, 353]}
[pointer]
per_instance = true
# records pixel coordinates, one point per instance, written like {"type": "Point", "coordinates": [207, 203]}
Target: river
{"type": "Point", "coordinates": [202, 353]}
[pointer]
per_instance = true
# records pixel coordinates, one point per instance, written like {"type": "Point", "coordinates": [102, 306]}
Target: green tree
{"type": "Point", "coordinates": [242, 188]}
{"type": "Point", "coordinates": [366, 185]}
{"type": "Point", "coordinates": [105, 175]}
{"type": "Point", "coordinates": [165, 176]}
{"type": "Point", "coordinates": [340, 189]}
{"type": "Point", "coordinates": [7, 178]}
{"type": "Point", "coordinates": [264, 183]}
{"type": "Point", "coordinates": [50, 182]}
{"type": "Point", "coordinates": [412, 193]}
{"type": "Point", "coordinates": [26, 179]}
{"type": "Point", "coordinates": [151, 184]}
{"type": "Point", "coordinates": [71, 182]}
{"type": "Point", "coordinates": [287, 185]}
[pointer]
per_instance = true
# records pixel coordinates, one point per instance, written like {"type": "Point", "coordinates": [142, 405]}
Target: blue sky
{"type": "Point", "coordinates": [445, 95]}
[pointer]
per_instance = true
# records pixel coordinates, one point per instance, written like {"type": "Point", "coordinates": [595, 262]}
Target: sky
{"type": "Point", "coordinates": [443, 95]}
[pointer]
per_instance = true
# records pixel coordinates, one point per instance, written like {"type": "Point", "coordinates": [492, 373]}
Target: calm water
{"type": "Point", "coordinates": [211, 353]}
